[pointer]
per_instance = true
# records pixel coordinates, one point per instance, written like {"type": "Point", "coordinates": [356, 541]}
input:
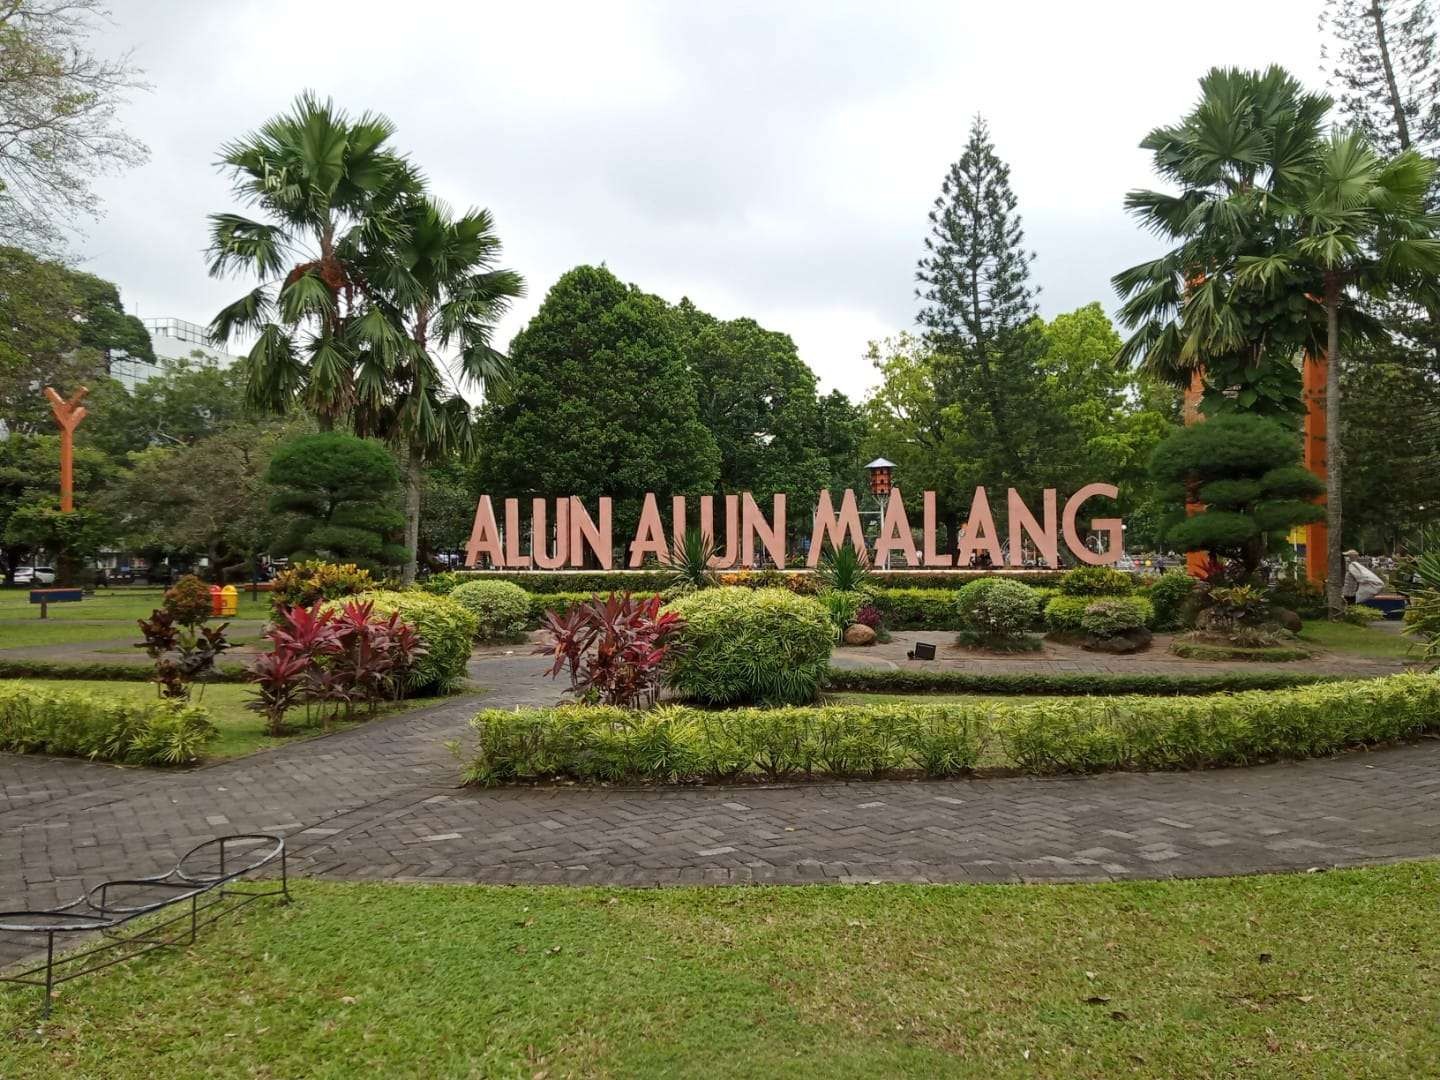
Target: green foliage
{"type": "Point", "coordinates": [446, 628]}
{"type": "Point", "coordinates": [1300, 596]}
{"type": "Point", "coordinates": [502, 611]}
{"type": "Point", "coordinates": [1219, 650]}
{"type": "Point", "coordinates": [675, 743]}
{"type": "Point", "coordinates": [995, 612]}
{"type": "Point", "coordinates": [1422, 618]}
{"type": "Point", "coordinates": [916, 609]}
{"type": "Point", "coordinates": [59, 669]}
{"type": "Point", "coordinates": [1069, 736]}
{"type": "Point", "coordinates": [841, 607]}
{"type": "Point", "coordinates": [1064, 615]}
{"type": "Point", "coordinates": [1113, 616]}
{"type": "Point", "coordinates": [307, 583]}
{"type": "Point", "coordinates": [188, 600]}
{"type": "Point", "coordinates": [444, 584]}
{"type": "Point", "coordinates": [1096, 581]}
{"type": "Point", "coordinates": [1042, 684]}
{"type": "Point", "coordinates": [750, 645]}
{"type": "Point", "coordinates": [1170, 594]}
{"type": "Point", "coordinates": [1246, 470]}
{"type": "Point", "coordinates": [339, 491]}
{"type": "Point", "coordinates": [844, 569]}
{"type": "Point", "coordinates": [690, 563]}
{"type": "Point", "coordinates": [81, 725]}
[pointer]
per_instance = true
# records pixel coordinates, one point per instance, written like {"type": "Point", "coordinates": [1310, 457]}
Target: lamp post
{"type": "Point", "coordinates": [880, 482]}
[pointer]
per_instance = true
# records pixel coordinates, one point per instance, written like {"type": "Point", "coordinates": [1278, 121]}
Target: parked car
{"type": "Point", "coordinates": [34, 575]}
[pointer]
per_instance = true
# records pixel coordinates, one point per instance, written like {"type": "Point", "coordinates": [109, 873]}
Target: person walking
{"type": "Point", "coordinates": [1361, 583]}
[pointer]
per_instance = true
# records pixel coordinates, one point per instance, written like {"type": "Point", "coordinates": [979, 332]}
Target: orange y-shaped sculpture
{"type": "Point", "coordinates": [68, 415]}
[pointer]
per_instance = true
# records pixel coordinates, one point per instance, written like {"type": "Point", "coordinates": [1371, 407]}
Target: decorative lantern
{"type": "Point", "coordinates": [880, 476]}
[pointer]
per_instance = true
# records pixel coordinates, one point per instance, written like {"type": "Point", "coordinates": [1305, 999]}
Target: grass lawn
{"type": "Point", "coordinates": [241, 730]}
{"type": "Point", "coordinates": [108, 615]}
{"type": "Point", "coordinates": [1359, 640]}
{"type": "Point", "coordinates": [1332, 974]}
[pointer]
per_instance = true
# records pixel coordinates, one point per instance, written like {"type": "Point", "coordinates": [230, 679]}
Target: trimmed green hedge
{"type": "Point", "coordinates": [502, 611]}
{"type": "Point", "coordinates": [1261, 654]}
{"type": "Point", "coordinates": [678, 743]}
{"type": "Point", "coordinates": [59, 669]}
{"type": "Point", "coordinates": [636, 581]}
{"type": "Point", "coordinates": [891, 681]}
{"type": "Point", "coordinates": [78, 724]}
{"type": "Point", "coordinates": [446, 627]}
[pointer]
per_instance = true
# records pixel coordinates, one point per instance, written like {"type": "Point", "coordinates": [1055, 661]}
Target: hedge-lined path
{"type": "Point", "coordinates": [1058, 659]}
{"type": "Point", "coordinates": [380, 801]}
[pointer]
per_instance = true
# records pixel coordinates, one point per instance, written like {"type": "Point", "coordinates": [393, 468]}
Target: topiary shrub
{"type": "Point", "coordinates": [501, 610]}
{"type": "Point", "coordinates": [997, 613]}
{"type": "Point", "coordinates": [308, 583]}
{"type": "Point", "coordinates": [1112, 616]}
{"type": "Point", "coordinates": [1096, 581]}
{"type": "Point", "coordinates": [446, 629]}
{"type": "Point", "coordinates": [1171, 595]}
{"type": "Point", "coordinates": [188, 601]}
{"type": "Point", "coordinates": [1064, 613]}
{"type": "Point", "coordinates": [750, 645]}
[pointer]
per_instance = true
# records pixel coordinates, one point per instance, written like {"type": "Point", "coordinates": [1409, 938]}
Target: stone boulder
{"type": "Point", "coordinates": [1288, 619]}
{"type": "Point", "coordinates": [1131, 641]}
{"type": "Point", "coordinates": [859, 634]}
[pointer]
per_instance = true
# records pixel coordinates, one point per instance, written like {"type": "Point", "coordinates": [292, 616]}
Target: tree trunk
{"type": "Point", "coordinates": [414, 481]}
{"type": "Point", "coordinates": [1334, 456]}
{"type": "Point", "coordinates": [1402, 128]}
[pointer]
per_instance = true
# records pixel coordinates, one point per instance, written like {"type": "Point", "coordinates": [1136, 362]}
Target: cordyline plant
{"type": "Point", "coordinates": [182, 655]}
{"type": "Point", "coordinates": [614, 648]}
{"type": "Point", "coordinates": [332, 659]}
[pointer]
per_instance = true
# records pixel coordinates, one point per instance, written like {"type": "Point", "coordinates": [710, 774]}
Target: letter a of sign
{"type": "Point", "coordinates": [485, 536]}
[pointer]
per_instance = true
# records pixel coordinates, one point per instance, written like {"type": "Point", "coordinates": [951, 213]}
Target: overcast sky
{"type": "Point", "coordinates": [775, 160]}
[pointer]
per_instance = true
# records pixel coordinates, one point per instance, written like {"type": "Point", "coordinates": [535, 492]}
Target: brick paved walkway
{"type": "Point", "coordinates": [379, 801]}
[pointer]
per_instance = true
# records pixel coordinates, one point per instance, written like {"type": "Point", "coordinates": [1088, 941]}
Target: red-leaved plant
{"type": "Point", "coordinates": [333, 659]}
{"type": "Point", "coordinates": [614, 648]}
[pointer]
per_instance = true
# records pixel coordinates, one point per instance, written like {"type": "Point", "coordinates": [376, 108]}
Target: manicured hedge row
{"type": "Point", "coordinates": [603, 581]}
{"type": "Point", "coordinates": [34, 720]}
{"type": "Point", "coordinates": [927, 609]}
{"type": "Point", "coordinates": [884, 680]}
{"type": "Point", "coordinates": [677, 743]}
{"type": "Point", "coordinates": [58, 669]}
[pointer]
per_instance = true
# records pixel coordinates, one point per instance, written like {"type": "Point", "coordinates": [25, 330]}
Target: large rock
{"type": "Point", "coordinates": [1129, 642]}
{"type": "Point", "coordinates": [859, 634]}
{"type": "Point", "coordinates": [1288, 619]}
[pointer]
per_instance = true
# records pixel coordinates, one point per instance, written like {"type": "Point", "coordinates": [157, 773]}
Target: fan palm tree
{"type": "Point", "coordinates": [441, 295]}
{"type": "Point", "coordinates": [1358, 222]}
{"type": "Point", "coordinates": [1250, 139]}
{"type": "Point", "coordinates": [329, 186]}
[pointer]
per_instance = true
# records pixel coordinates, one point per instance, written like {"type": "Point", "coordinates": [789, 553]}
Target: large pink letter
{"type": "Point", "coordinates": [932, 556]}
{"type": "Point", "coordinates": [649, 535]}
{"type": "Point", "coordinates": [836, 529]}
{"type": "Point", "coordinates": [514, 558]}
{"type": "Point", "coordinates": [980, 532]}
{"type": "Point", "coordinates": [1110, 526]}
{"type": "Point", "coordinates": [724, 557]}
{"type": "Point", "coordinates": [752, 522]}
{"type": "Point", "coordinates": [1046, 540]}
{"type": "Point", "coordinates": [484, 536]}
{"type": "Point", "coordinates": [895, 533]}
{"type": "Point", "coordinates": [540, 534]}
{"type": "Point", "coordinates": [583, 530]}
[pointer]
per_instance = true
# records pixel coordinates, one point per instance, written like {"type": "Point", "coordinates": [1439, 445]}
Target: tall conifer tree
{"type": "Point", "coordinates": [1384, 68]}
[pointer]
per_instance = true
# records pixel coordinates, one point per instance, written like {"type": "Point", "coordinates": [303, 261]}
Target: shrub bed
{"type": "Point", "coordinates": [916, 609]}
{"type": "Point", "coordinates": [750, 645]}
{"type": "Point", "coordinates": [886, 680]}
{"type": "Point", "coordinates": [997, 614]}
{"type": "Point", "coordinates": [446, 628]}
{"type": "Point", "coordinates": [502, 611]}
{"type": "Point", "coordinates": [81, 725]}
{"type": "Point", "coordinates": [60, 669]}
{"type": "Point", "coordinates": [641, 581]}
{"type": "Point", "coordinates": [1207, 650]}
{"type": "Point", "coordinates": [679, 743]}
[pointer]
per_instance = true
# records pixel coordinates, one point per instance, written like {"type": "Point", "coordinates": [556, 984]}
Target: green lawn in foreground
{"type": "Point", "coordinates": [242, 731]}
{"type": "Point", "coordinates": [1360, 640]}
{"type": "Point", "coordinates": [1309, 975]}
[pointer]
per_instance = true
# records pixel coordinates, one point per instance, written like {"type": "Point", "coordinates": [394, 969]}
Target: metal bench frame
{"type": "Point", "coordinates": [202, 887]}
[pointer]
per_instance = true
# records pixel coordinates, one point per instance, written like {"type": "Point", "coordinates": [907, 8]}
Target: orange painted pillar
{"type": "Point", "coordinates": [1317, 534]}
{"type": "Point", "coordinates": [68, 415]}
{"type": "Point", "coordinates": [1190, 414]}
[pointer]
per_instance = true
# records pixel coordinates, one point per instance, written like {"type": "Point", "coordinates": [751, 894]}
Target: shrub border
{"type": "Point", "coordinates": [1264, 654]}
{"type": "Point", "coordinates": [61, 669]}
{"type": "Point", "coordinates": [883, 680]}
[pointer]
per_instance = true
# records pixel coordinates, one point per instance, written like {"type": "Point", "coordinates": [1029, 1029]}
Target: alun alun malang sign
{"type": "Point", "coordinates": [563, 530]}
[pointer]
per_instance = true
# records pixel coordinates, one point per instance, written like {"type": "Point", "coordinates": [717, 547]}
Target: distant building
{"type": "Point", "coordinates": [172, 339]}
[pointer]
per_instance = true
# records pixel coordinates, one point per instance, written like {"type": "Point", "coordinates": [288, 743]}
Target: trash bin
{"type": "Point", "coordinates": [217, 601]}
{"type": "Point", "coordinates": [230, 600]}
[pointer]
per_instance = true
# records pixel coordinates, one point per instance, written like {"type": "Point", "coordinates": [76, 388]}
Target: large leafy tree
{"type": "Point", "coordinates": [599, 402]}
{"type": "Point", "coordinates": [443, 294]}
{"type": "Point", "coordinates": [30, 516]}
{"type": "Point", "coordinates": [330, 189]}
{"type": "Point", "coordinates": [59, 126]}
{"type": "Point", "coordinates": [188, 401]}
{"type": "Point", "coordinates": [977, 309]}
{"type": "Point", "coordinates": [1358, 222]}
{"type": "Point", "coordinates": [1251, 139]}
{"type": "Point", "coordinates": [58, 327]}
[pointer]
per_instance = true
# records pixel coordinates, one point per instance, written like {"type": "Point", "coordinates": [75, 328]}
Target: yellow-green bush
{"type": "Point", "coordinates": [446, 627]}
{"type": "Point", "coordinates": [743, 645]}
{"type": "Point", "coordinates": [308, 583]}
{"type": "Point", "coordinates": [502, 611]}
{"type": "Point", "coordinates": [77, 724]}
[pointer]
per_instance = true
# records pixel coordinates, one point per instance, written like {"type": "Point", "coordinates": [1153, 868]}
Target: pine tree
{"type": "Point", "coordinates": [978, 311]}
{"type": "Point", "coordinates": [1383, 66]}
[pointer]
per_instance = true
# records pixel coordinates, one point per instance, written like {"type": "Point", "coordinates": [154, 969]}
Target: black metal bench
{"type": "Point", "coordinates": [196, 891]}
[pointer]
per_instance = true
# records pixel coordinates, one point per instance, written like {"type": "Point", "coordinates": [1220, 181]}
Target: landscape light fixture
{"type": "Point", "coordinates": [923, 651]}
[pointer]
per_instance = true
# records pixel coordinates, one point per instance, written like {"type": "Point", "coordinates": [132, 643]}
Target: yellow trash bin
{"type": "Point", "coordinates": [229, 600]}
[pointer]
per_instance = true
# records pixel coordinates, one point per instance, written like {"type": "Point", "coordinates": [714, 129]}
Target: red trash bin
{"type": "Point", "coordinates": [217, 600]}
